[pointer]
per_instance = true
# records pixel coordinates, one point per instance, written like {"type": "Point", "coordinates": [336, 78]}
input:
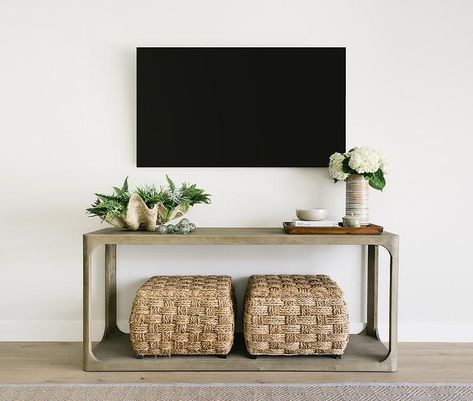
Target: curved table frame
{"type": "Point", "coordinates": [365, 351]}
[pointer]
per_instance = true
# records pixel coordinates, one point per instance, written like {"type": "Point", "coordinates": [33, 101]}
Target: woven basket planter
{"type": "Point", "coordinates": [295, 315]}
{"type": "Point", "coordinates": [183, 315]}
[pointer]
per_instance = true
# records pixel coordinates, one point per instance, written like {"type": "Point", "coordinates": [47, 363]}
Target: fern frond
{"type": "Point", "coordinates": [171, 184]}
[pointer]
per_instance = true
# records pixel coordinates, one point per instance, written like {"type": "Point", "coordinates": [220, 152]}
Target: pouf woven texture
{"type": "Point", "coordinates": [295, 315]}
{"type": "Point", "coordinates": [183, 315]}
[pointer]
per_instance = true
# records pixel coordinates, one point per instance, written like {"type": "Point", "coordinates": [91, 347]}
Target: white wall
{"type": "Point", "coordinates": [67, 101]}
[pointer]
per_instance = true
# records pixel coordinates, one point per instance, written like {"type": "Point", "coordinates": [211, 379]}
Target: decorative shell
{"type": "Point", "coordinates": [139, 215]}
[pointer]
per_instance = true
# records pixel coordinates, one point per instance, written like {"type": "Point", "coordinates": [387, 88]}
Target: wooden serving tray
{"type": "Point", "coordinates": [371, 229]}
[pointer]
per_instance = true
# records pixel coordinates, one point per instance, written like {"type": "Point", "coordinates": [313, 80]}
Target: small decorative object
{"type": "Point", "coordinates": [184, 227]}
{"type": "Point", "coordinates": [161, 229]}
{"type": "Point", "coordinates": [184, 222]}
{"type": "Point", "coordinates": [351, 221]}
{"type": "Point", "coordinates": [312, 214]}
{"type": "Point", "coordinates": [147, 207]}
{"type": "Point", "coordinates": [171, 228]}
{"type": "Point", "coordinates": [359, 167]}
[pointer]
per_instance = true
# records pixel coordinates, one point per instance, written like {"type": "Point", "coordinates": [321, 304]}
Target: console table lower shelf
{"type": "Point", "coordinates": [362, 353]}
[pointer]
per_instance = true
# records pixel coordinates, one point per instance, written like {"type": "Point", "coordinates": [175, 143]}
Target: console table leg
{"type": "Point", "coordinates": [393, 303]}
{"type": "Point", "coordinates": [393, 249]}
{"type": "Point", "coordinates": [88, 355]}
{"type": "Point", "coordinates": [372, 305]}
{"type": "Point", "coordinates": [111, 290]}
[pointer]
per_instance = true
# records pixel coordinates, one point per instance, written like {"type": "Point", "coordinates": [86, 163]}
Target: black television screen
{"type": "Point", "coordinates": [239, 107]}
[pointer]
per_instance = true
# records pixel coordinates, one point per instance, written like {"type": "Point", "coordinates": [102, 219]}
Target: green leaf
{"type": "Point", "coordinates": [171, 184]}
{"type": "Point", "coordinates": [107, 197]}
{"type": "Point", "coordinates": [184, 207]}
{"type": "Point", "coordinates": [376, 180]}
{"type": "Point", "coordinates": [346, 167]}
{"type": "Point", "coordinates": [125, 185]}
{"type": "Point", "coordinates": [114, 205]}
{"type": "Point", "coordinates": [151, 195]}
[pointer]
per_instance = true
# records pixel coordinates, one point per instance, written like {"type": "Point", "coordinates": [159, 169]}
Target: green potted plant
{"type": "Point", "coordinates": [148, 206]}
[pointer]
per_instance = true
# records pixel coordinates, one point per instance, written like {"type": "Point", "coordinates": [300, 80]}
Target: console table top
{"type": "Point", "coordinates": [235, 236]}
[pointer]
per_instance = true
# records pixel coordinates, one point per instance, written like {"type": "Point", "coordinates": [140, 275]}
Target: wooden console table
{"type": "Point", "coordinates": [365, 352]}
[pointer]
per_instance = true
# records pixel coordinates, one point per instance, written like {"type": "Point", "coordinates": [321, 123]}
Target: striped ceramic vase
{"type": "Point", "coordinates": [356, 202]}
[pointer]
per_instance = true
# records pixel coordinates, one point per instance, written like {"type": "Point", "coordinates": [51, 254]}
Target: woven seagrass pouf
{"type": "Point", "coordinates": [183, 315]}
{"type": "Point", "coordinates": [294, 315]}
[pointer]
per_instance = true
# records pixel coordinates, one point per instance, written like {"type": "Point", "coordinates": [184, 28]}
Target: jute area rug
{"type": "Point", "coordinates": [237, 392]}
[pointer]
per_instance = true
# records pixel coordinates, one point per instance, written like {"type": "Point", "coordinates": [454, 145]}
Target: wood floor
{"type": "Point", "coordinates": [56, 362]}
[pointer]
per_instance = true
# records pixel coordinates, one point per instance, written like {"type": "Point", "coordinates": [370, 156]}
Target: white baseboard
{"type": "Point", "coordinates": [455, 331]}
{"type": "Point", "coordinates": [54, 330]}
{"type": "Point", "coordinates": [72, 331]}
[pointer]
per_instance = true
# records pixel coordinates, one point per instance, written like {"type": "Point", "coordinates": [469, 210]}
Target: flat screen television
{"type": "Point", "coordinates": [240, 106]}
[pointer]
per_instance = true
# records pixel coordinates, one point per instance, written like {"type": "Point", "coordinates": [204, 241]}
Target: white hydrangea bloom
{"type": "Point", "coordinates": [385, 165]}
{"type": "Point", "coordinates": [335, 167]}
{"type": "Point", "coordinates": [364, 160]}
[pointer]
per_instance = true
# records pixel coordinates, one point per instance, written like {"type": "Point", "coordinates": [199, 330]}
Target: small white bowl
{"type": "Point", "coordinates": [311, 214]}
